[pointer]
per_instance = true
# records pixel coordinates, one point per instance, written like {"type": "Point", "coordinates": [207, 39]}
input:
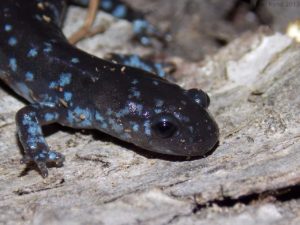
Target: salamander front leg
{"type": "Point", "coordinates": [29, 121]}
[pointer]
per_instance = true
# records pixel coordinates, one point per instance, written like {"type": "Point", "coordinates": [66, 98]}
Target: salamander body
{"type": "Point", "coordinates": [65, 85]}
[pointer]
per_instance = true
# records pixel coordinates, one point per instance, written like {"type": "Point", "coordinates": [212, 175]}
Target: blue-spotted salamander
{"type": "Point", "coordinates": [65, 85]}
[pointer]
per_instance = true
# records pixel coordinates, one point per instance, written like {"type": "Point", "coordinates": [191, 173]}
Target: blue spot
{"type": "Point", "coordinates": [52, 155]}
{"type": "Point", "coordinates": [139, 26]}
{"type": "Point", "coordinates": [29, 76]}
{"type": "Point", "coordinates": [122, 112]}
{"type": "Point", "coordinates": [32, 53]}
{"type": "Point", "coordinates": [106, 4]}
{"type": "Point", "coordinates": [145, 40]}
{"type": "Point", "coordinates": [135, 81]}
{"type": "Point", "coordinates": [33, 130]}
{"type": "Point", "coordinates": [136, 62]}
{"type": "Point", "coordinates": [99, 117]}
{"type": "Point", "coordinates": [120, 11]}
{"type": "Point", "coordinates": [28, 118]}
{"type": "Point", "coordinates": [7, 27]}
{"type": "Point", "coordinates": [80, 117]}
{"type": "Point", "coordinates": [135, 108]}
{"type": "Point", "coordinates": [157, 111]}
{"type": "Point", "coordinates": [135, 126]}
{"type": "Point", "coordinates": [109, 112]}
{"type": "Point", "coordinates": [139, 109]}
{"type": "Point", "coordinates": [23, 89]}
{"type": "Point", "coordinates": [136, 94]}
{"type": "Point", "coordinates": [83, 116]}
{"type": "Point", "coordinates": [13, 64]}
{"type": "Point", "coordinates": [49, 101]}
{"type": "Point", "coordinates": [38, 17]}
{"type": "Point", "coordinates": [75, 60]}
{"type": "Point", "coordinates": [52, 84]}
{"type": "Point", "coordinates": [12, 41]}
{"type": "Point", "coordinates": [104, 125]}
{"type": "Point", "coordinates": [68, 96]}
{"type": "Point", "coordinates": [42, 155]}
{"type": "Point", "coordinates": [65, 79]}
{"type": "Point", "coordinates": [160, 70]}
{"type": "Point", "coordinates": [115, 126]}
{"type": "Point", "coordinates": [48, 47]}
{"type": "Point", "coordinates": [50, 117]}
{"type": "Point", "coordinates": [147, 128]}
{"type": "Point", "coordinates": [155, 83]}
{"type": "Point", "coordinates": [180, 117]}
{"type": "Point", "coordinates": [159, 102]}
{"type": "Point", "coordinates": [48, 104]}
{"type": "Point", "coordinates": [71, 117]}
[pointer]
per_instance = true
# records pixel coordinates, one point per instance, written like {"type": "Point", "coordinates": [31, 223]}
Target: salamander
{"type": "Point", "coordinates": [68, 86]}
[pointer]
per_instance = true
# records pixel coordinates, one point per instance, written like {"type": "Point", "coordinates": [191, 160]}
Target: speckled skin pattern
{"type": "Point", "coordinates": [65, 85]}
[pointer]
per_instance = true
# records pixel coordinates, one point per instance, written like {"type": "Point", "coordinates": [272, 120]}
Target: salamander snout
{"type": "Point", "coordinates": [175, 134]}
{"type": "Point", "coordinates": [204, 138]}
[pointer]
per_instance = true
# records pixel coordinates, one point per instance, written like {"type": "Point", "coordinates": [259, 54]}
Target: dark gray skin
{"type": "Point", "coordinates": [68, 86]}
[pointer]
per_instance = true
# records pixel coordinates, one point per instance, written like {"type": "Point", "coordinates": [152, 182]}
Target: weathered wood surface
{"type": "Point", "coordinates": [253, 176]}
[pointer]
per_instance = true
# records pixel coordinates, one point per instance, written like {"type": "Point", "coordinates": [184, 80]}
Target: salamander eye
{"type": "Point", "coordinates": [199, 96]}
{"type": "Point", "coordinates": [164, 126]}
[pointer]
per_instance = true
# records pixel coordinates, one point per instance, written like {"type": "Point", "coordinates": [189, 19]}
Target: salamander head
{"type": "Point", "coordinates": [158, 116]}
{"type": "Point", "coordinates": [171, 120]}
{"type": "Point", "coordinates": [181, 124]}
